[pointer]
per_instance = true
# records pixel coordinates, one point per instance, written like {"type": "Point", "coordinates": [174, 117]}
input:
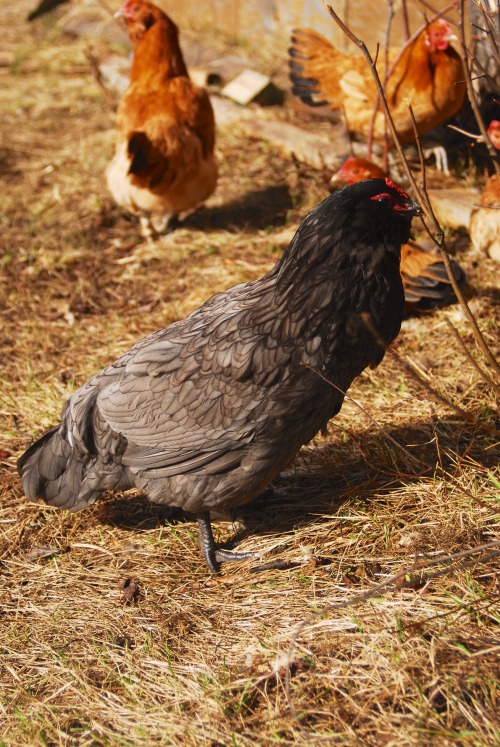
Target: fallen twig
{"type": "Point", "coordinates": [405, 578]}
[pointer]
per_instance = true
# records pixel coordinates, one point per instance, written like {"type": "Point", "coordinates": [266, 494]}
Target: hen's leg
{"type": "Point", "coordinates": [212, 554]}
{"type": "Point", "coordinates": [156, 224]}
{"type": "Point", "coordinates": [163, 223]}
{"type": "Point", "coordinates": [147, 230]}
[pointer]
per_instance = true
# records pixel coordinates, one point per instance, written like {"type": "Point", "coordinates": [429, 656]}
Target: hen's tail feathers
{"type": "Point", "coordinates": [48, 471]}
{"type": "Point", "coordinates": [430, 288]}
{"type": "Point", "coordinates": [305, 62]}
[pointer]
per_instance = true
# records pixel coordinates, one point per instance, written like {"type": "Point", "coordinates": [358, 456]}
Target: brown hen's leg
{"type": "Point", "coordinates": [212, 554]}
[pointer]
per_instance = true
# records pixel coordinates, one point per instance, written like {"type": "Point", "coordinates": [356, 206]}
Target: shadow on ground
{"type": "Point", "coordinates": [324, 477]}
{"type": "Point", "coordinates": [257, 209]}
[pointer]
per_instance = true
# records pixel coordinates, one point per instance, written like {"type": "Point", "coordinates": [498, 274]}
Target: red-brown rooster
{"type": "Point", "coordinates": [164, 162]}
{"type": "Point", "coordinates": [429, 73]}
{"type": "Point", "coordinates": [425, 281]}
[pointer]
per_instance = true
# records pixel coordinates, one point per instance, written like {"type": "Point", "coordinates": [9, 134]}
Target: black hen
{"type": "Point", "coordinates": [205, 413]}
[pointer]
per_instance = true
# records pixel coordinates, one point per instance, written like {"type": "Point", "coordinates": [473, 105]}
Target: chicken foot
{"type": "Point", "coordinates": [155, 225]}
{"type": "Point", "coordinates": [215, 555]}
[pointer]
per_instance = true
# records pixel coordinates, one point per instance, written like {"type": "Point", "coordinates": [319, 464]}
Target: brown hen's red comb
{"type": "Point", "coordinates": [395, 186]}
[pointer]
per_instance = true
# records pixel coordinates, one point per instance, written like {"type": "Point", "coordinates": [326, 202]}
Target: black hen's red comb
{"type": "Point", "coordinates": [400, 191]}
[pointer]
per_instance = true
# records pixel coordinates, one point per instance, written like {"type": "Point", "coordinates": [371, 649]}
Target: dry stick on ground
{"type": "Point", "coordinates": [472, 94]}
{"type": "Point", "coordinates": [437, 236]}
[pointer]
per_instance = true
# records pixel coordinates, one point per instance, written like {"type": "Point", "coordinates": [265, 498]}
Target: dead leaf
{"type": "Point", "coordinates": [130, 590]}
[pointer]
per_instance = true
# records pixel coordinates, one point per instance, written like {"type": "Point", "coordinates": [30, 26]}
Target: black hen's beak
{"type": "Point", "coordinates": [414, 209]}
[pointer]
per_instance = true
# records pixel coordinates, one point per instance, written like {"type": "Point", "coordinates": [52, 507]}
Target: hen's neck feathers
{"type": "Point", "coordinates": [414, 62]}
{"type": "Point", "coordinates": [157, 54]}
{"type": "Point", "coordinates": [338, 263]}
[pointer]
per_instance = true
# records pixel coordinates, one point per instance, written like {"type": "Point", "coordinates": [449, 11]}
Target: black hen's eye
{"type": "Point", "coordinates": [384, 200]}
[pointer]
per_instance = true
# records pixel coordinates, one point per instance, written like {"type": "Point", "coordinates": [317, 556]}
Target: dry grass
{"type": "Point", "coordinates": [112, 632]}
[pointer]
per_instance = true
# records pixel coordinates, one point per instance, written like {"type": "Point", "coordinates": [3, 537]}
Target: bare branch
{"type": "Point", "coordinates": [422, 195]}
{"type": "Point", "coordinates": [419, 149]}
{"type": "Point", "coordinates": [441, 13]}
{"type": "Point", "coordinates": [406, 21]}
{"type": "Point", "coordinates": [490, 30]}
{"type": "Point", "coordinates": [472, 94]}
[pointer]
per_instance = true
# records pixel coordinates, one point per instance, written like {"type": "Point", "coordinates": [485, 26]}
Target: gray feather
{"type": "Point", "coordinates": [206, 412]}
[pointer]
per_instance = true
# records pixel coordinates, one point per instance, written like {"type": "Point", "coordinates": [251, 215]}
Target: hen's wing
{"type": "Point", "coordinates": [161, 157]}
{"type": "Point", "coordinates": [192, 395]}
{"type": "Point", "coordinates": [168, 131]}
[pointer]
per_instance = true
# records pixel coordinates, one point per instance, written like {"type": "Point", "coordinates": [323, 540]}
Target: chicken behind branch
{"type": "Point", "coordinates": [205, 413]}
{"type": "Point", "coordinates": [429, 74]}
{"type": "Point", "coordinates": [485, 220]}
{"type": "Point", "coordinates": [164, 162]}
{"type": "Point", "coordinates": [353, 170]}
{"type": "Point", "coordinates": [494, 133]}
{"type": "Point", "coordinates": [425, 281]}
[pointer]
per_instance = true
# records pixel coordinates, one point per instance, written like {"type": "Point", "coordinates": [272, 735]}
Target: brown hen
{"type": "Point", "coordinates": [429, 74]}
{"type": "Point", "coordinates": [485, 220]}
{"type": "Point", "coordinates": [164, 162]}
